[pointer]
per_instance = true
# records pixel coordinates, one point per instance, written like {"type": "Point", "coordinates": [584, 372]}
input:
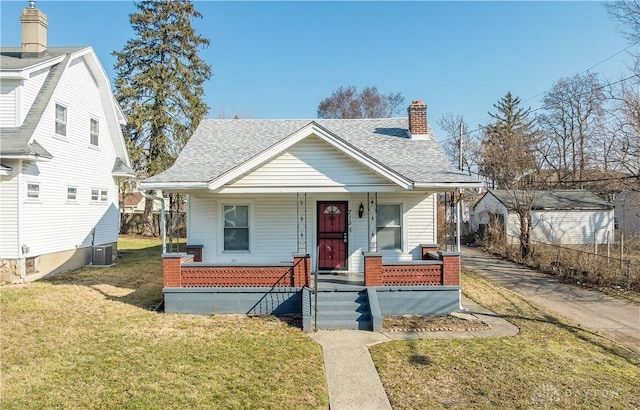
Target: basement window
{"type": "Point", "coordinates": [32, 265]}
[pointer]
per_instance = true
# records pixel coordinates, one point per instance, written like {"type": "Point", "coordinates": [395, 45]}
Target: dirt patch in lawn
{"type": "Point", "coordinates": [419, 323]}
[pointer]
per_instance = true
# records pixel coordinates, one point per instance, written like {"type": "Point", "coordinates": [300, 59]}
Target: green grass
{"type": "Point", "coordinates": [551, 363]}
{"type": "Point", "coordinates": [89, 339]}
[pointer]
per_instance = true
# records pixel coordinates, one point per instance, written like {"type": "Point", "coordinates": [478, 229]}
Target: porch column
{"type": "Point", "coordinates": [171, 270]}
{"type": "Point", "coordinates": [372, 269]}
{"type": "Point", "coordinates": [301, 270]}
{"type": "Point", "coordinates": [301, 208]}
{"type": "Point", "coordinates": [428, 249]}
{"type": "Point", "coordinates": [450, 267]}
{"type": "Point", "coordinates": [372, 204]}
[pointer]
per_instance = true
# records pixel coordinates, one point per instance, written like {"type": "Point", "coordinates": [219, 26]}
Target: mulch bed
{"type": "Point", "coordinates": [418, 323]}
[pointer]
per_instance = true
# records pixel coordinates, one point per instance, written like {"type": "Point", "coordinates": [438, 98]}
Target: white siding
{"type": "Point", "coordinates": [30, 91]}
{"type": "Point", "coordinates": [52, 223]}
{"type": "Point", "coordinates": [572, 227]}
{"type": "Point", "coordinates": [274, 226]}
{"type": "Point", "coordinates": [418, 224]}
{"type": "Point", "coordinates": [9, 214]}
{"type": "Point", "coordinates": [311, 162]}
{"type": "Point", "coordinates": [9, 103]}
{"type": "Point", "coordinates": [487, 205]}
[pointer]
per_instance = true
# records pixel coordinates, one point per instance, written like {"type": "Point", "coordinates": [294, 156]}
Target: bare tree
{"type": "Point", "coordinates": [347, 102]}
{"type": "Point", "coordinates": [627, 13]}
{"type": "Point", "coordinates": [572, 127]}
{"type": "Point", "coordinates": [508, 156]}
{"type": "Point", "coordinates": [626, 125]}
{"type": "Point", "coordinates": [459, 145]}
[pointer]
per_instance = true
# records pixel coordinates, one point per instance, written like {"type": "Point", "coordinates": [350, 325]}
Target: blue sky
{"type": "Point", "coordinates": [279, 59]}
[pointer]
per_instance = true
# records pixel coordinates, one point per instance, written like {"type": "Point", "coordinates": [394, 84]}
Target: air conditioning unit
{"type": "Point", "coordinates": [102, 255]}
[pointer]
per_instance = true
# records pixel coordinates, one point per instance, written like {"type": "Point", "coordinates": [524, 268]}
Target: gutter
{"type": "Point", "coordinates": [163, 228]}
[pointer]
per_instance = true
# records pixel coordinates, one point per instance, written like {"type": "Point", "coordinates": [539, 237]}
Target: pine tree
{"type": "Point", "coordinates": [508, 157]}
{"type": "Point", "coordinates": [159, 85]}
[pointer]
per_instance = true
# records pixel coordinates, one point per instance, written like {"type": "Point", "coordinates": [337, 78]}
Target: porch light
{"type": "Point", "coordinates": [360, 210]}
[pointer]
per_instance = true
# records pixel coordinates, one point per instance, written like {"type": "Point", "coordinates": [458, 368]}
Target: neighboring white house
{"type": "Point", "coordinates": [134, 202]}
{"type": "Point", "coordinates": [61, 152]}
{"type": "Point", "coordinates": [558, 216]}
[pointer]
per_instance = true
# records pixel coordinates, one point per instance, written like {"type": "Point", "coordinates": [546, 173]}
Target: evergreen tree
{"type": "Point", "coordinates": [159, 85]}
{"type": "Point", "coordinates": [508, 158]}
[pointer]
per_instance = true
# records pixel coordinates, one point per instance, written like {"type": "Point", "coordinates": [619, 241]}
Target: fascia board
{"type": "Point", "coordinates": [172, 186]}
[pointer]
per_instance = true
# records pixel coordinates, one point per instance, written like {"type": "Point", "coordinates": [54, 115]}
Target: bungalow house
{"type": "Point", "coordinates": [61, 152]}
{"type": "Point", "coordinates": [570, 216]}
{"type": "Point", "coordinates": [355, 200]}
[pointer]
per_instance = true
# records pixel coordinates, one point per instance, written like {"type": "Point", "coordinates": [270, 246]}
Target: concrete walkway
{"type": "Point", "coordinates": [352, 378]}
{"type": "Point", "coordinates": [612, 318]}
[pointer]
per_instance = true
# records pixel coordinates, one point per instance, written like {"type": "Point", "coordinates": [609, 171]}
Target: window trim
{"type": "Point", "coordinates": [402, 226]}
{"type": "Point", "coordinates": [250, 204]}
{"type": "Point", "coordinates": [27, 192]}
{"type": "Point", "coordinates": [75, 194]}
{"type": "Point", "coordinates": [93, 135]}
{"type": "Point", "coordinates": [63, 122]}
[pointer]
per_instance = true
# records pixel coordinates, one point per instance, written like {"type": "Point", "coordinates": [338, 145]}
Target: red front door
{"type": "Point", "coordinates": [332, 235]}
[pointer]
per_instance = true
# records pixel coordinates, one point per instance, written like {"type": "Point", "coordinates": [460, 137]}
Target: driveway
{"type": "Point", "coordinates": [614, 319]}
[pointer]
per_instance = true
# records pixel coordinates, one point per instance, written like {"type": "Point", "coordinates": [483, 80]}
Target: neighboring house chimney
{"type": "Point", "coordinates": [34, 32]}
{"type": "Point", "coordinates": [417, 112]}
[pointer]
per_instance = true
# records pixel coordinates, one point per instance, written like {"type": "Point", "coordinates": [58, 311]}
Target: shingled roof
{"type": "Point", "coordinates": [17, 140]}
{"type": "Point", "coordinates": [560, 199]}
{"type": "Point", "coordinates": [220, 145]}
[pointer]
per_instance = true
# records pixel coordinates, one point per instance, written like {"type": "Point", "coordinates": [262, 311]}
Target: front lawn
{"type": "Point", "coordinates": [89, 339]}
{"type": "Point", "coordinates": [551, 363]}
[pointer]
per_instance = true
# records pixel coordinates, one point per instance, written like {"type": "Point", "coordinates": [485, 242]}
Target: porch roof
{"type": "Point", "coordinates": [222, 146]}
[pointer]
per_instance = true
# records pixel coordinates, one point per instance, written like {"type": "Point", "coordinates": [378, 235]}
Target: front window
{"type": "Point", "coordinates": [389, 227]}
{"type": "Point", "coordinates": [95, 194]}
{"type": "Point", "coordinates": [103, 196]}
{"type": "Point", "coordinates": [236, 227]}
{"type": "Point", "coordinates": [61, 120]}
{"type": "Point", "coordinates": [33, 191]}
{"type": "Point", "coordinates": [94, 132]}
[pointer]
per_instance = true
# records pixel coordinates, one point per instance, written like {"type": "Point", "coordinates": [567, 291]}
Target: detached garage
{"type": "Point", "coordinates": [558, 216]}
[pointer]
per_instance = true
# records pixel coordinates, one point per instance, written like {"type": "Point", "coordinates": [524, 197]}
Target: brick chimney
{"type": "Point", "coordinates": [417, 112]}
{"type": "Point", "coordinates": [34, 32]}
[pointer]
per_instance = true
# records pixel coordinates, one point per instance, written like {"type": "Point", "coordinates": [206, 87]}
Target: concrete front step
{"type": "Point", "coordinates": [343, 310]}
{"type": "Point", "coordinates": [345, 324]}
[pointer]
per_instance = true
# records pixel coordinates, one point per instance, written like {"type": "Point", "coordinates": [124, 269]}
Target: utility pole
{"type": "Point", "coordinates": [459, 201]}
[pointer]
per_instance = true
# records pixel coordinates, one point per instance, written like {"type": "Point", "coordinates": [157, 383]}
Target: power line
{"type": "Point", "coordinates": [480, 128]}
{"type": "Point", "coordinates": [547, 90]}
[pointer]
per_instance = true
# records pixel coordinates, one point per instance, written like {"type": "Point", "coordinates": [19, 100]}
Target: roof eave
{"type": "Point", "coordinates": [26, 157]}
{"type": "Point", "coordinates": [174, 185]}
{"type": "Point", "coordinates": [448, 185]}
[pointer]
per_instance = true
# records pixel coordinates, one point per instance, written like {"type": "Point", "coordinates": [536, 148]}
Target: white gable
{"type": "Point", "coordinates": [311, 164]}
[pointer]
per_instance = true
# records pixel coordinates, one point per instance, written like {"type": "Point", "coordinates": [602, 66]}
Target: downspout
{"type": "Point", "coordinates": [163, 229]}
{"type": "Point", "coordinates": [20, 245]}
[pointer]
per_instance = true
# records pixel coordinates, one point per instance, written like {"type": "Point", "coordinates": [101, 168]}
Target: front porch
{"type": "Point", "coordinates": [430, 286]}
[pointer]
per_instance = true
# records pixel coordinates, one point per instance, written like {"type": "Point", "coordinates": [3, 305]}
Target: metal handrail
{"type": "Point", "coordinates": [315, 291]}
